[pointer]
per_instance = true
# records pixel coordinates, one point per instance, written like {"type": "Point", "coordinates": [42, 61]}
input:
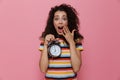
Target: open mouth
{"type": "Point", "coordinates": [60, 29]}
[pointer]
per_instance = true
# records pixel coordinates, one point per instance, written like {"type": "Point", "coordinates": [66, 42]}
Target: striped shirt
{"type": "Point", "coordinates": [60, 68]}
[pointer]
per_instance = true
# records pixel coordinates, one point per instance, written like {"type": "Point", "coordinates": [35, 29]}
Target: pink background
{"type": "Point", "coordinates": [21, 24]}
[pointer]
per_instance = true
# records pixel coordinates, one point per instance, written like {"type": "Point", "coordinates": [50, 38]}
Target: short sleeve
{"type": "Point", "coordinates": [41, 46]}
{"type": "Point", "coordinates": [79, 45]}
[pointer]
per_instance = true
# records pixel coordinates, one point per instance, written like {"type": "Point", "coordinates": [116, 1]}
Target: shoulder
{"type": "Point", "coordinates": [41, 40]}
{"type": "Point", "coordinates": [79, 45]}
{"type": "Point", "coordinates": [78, 40]}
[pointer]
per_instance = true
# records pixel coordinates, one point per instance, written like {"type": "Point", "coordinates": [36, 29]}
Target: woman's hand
{"type": "Point", "coordinates": [49, 38]}
{"type": "Point", "coordinates": [69, 36]}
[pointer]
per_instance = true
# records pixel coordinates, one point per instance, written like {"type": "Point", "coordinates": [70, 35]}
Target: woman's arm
{"type": "Point", "coordinates": [43, 63]}
{"type": "Point", "coordinates": [75, 54]}
{"type": "Point", "coordinates": [44, 55]}
{"type": "Point", "coordinates": [75, 57]}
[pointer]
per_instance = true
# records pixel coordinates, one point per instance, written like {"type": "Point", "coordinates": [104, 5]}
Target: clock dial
{"type": "Point", "coordinates": [55, 50]}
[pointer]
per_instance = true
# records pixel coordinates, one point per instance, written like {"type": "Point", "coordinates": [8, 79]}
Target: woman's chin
{"type": "Point", "coordinates": [60, 33]}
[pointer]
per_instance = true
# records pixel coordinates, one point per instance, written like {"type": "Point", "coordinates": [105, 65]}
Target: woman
{"type": "Point", "coordinates": [62, 26]}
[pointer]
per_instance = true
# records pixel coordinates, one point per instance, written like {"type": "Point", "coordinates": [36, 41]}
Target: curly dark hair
{"type": "Point", "coordinates": [73, 21]}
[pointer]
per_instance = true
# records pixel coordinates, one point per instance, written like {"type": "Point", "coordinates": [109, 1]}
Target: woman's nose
{"type": "Point", "coordinates": [60, 21]}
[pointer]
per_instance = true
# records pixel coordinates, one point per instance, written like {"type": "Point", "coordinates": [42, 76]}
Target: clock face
{"type": "Point", "coordinates": [55, 50]}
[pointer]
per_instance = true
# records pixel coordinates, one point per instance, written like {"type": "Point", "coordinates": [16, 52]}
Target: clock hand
{"type": "Point", "coordinates": [55, 48]}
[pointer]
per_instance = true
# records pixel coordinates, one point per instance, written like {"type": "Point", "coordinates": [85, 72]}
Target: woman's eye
{"type": "Point", "coordinates": [55, 18]}
{"type": "Point", "coordinates": [64, 18]}
{"type": "Point", "coordinates": [61, 18]}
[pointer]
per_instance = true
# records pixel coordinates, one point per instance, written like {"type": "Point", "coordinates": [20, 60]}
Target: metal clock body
{"type": "Point", "coordinates": [54, 49]}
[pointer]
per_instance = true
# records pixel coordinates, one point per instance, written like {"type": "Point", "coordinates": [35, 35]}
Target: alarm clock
{"type": "Point", "coordinates": [54, 48]}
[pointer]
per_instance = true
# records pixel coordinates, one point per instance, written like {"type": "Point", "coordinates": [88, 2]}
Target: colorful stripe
{"type": "Point", "coordinates": [60, 74]}
{"type": "Point", "coordinates": [59, 63]}
{"type": "Point", "coordinates": [41, 47]}
{"type": "Point", "coordinates": [79, 47]}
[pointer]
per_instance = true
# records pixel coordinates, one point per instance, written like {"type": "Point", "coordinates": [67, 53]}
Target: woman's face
{"type": "Point", "coordinates": [60, 20]}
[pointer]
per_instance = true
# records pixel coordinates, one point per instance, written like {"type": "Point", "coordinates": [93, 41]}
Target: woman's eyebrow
{"type": "Point", "coordinates": [56, 16]}
{"type": "Point", "coordinates": [64, 15]}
